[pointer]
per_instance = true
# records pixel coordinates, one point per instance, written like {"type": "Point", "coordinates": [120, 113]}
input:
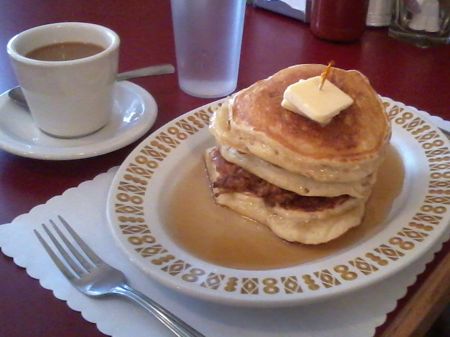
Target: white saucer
{"type": "Point", "coordinates": [134, 113]}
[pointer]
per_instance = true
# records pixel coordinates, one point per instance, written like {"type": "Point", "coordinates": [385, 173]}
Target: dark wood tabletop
{"type": "Point", "coordinates": [414, 76]}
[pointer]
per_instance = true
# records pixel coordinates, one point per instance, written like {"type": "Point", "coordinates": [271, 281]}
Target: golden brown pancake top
{"type": "Point", "coordinates": [355, 133]}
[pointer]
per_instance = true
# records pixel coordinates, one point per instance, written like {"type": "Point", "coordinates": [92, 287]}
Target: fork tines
{"type": "Point", "coordinates": [78, 263]}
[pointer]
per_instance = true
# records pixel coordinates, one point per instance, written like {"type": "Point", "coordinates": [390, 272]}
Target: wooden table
{"type": "Point", "coordinates": [417, 77]}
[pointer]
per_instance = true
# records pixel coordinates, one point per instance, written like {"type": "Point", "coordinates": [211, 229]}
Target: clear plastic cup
{"type": "Point", "coordinates": [208, 36]}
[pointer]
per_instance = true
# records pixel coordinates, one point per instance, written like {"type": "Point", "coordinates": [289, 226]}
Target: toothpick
{"type": "Point", "coordinates": [324, 74]}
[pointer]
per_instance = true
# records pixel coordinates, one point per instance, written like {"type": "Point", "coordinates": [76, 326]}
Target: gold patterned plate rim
{"type": "Point", "coordinates": [418, 219]}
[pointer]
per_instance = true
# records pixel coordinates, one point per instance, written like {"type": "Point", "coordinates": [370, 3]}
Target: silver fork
{"type": "Point", "coordinates": [92, 276]}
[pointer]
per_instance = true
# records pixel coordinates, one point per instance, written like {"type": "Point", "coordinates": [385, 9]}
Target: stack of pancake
{"type": "Point", "coordinates": [307, 182]}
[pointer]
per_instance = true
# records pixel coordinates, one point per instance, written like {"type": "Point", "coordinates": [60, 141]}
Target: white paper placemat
{"type": "Point", "coordinates": [357, 314]}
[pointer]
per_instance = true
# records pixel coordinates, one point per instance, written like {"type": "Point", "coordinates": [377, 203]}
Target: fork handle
{"type": "Point", "coordinates": [175, 324]}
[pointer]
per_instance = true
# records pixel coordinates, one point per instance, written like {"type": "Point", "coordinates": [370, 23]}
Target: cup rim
{"type": "Point", "coordinates": [12, 52]}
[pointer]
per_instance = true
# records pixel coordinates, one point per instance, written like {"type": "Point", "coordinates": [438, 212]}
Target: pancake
{"type": "Point", "coordinates": [307, 182]}
{"type": "Point", "coordinates": [312, 220]}
{"type": "Point", "coordinates": [347, 149]}
{"type": "Point", "coordinates": [296, 182]}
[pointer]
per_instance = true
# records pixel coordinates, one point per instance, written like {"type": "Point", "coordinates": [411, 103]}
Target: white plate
{"type": "Point", "coordinates": [436, 120]}
{"type": "Point", "coordinates": [134, 113]}
{"type": "Point", "coordinates": [418, 217]}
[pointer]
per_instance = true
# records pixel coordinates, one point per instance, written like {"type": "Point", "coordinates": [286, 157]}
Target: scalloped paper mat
{"type": "Point", "coordinates": [349, 315]}
{"type": "Point", "coordinates": [353, 315]}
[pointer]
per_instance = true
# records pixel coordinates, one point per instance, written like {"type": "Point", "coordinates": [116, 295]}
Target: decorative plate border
{"type": "Point", "coordinates": [127, 218]}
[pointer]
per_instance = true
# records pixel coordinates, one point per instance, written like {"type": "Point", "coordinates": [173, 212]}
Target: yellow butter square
{"type": "Point", "coordinates": [321, 105]}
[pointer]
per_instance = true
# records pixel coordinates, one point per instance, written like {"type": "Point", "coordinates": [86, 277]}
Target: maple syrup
{"type": "Point", "coordinates": [218, 235]}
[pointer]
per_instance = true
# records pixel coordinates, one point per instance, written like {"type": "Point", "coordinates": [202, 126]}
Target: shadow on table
{"type": "Point", "coordinates": [442, 325]}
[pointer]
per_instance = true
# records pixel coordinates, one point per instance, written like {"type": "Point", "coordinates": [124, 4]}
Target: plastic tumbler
{"type": "Point", "coordinates": [208, 36]}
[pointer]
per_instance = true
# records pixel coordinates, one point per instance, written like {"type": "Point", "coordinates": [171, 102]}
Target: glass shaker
{"type": "Point", "coordinates": [422, 22]}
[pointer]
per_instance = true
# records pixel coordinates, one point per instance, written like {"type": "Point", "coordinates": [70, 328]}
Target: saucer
{"type": "Point", "coordinates": [134, 113]}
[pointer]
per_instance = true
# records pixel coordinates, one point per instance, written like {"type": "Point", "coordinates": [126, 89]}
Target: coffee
{"type": "Point", "coordinates": [64, 51]}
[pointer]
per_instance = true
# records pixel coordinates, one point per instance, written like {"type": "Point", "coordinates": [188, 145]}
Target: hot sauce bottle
{"type": "Point", "coordinates": [338, 20]}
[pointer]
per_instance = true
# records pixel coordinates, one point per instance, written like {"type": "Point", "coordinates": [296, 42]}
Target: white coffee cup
{"type": "Point", "coordinates": [70, 98]}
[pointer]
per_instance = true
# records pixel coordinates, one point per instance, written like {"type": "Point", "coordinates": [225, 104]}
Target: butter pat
{"type": "Point", "coordinates": [320, 105]}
